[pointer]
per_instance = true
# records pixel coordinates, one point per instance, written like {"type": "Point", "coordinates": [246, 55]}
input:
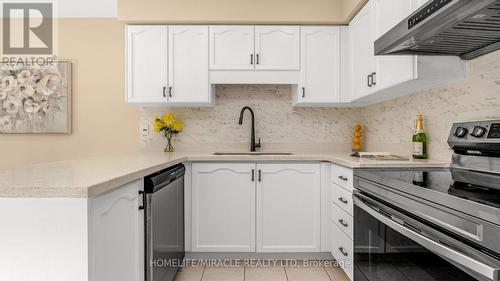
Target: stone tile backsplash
{"type": "Point", "coordinates": [387, 126]}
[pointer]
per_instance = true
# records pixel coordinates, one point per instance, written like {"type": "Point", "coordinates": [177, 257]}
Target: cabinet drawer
{"type": "Point", "coordinates": [342, 198]}
{"type": "Point", "coordinates": [343, 176]}
{"type": "Point", "coordinates": [342, 219]}
{"type": "Point", "coordinates": [342, 250]}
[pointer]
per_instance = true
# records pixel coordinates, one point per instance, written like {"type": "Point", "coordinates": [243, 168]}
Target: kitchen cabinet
{"type": "Point", "coordinates": [116, 229]}
{"type": "Point", "coordinates": [277, 47]}
{"type": "Point", "coordinates": [255, 207]}
{"type": "Point", "coordinates": [147, 63]}
{"type": "Point", "coordinates": [320, 66]}
{"type": "Point", "coordinates": [168, 65]}
{"type": "Point", "coordinates": [188, 65]}
{"type": "Point", "coordinates": [223, 207]}
{"type": "Point", "coordinates": [376, 78]}
{"type": "Point", "coordinates": [231, 47]}
{"type": "Point", "coordinates": [254, 47]}
{"type": "Point", "coordinates": [288, 207]}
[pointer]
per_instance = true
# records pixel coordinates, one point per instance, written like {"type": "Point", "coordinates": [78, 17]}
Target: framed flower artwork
{"type": "Point", "coordinates": [35, 99]}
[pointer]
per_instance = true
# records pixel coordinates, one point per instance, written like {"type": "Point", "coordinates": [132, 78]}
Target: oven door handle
{"type": "Point", "coordinates": [491, 273]}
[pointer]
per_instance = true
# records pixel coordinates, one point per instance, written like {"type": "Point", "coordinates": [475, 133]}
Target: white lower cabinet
{"type": "Point", "coordinates": [288, 208]}
{"type": "Point", "coordinates": [341, 217]}
{"type": "Point", "coordinates": [223, 207]}
{"type": "Point", "coordinates": [249, 207]}
{"type": "Point", "coordinates": [116, 230]}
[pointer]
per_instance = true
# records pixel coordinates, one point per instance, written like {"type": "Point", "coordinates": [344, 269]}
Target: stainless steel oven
{"type": "Point", "coordinates": [433, 224]}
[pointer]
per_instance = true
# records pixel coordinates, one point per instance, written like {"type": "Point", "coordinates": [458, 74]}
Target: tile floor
{"type": "Point", "coordinates": [263, 273]}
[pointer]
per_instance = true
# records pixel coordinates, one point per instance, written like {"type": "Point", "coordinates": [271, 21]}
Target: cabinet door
{"type": "Point", "coordinates": [277, 47]}
{"type": "Point", "coordinates": [117, 235]}
{"type": "Point", "coordinates": [362, 51]}
{"type": "Point", "coordinates": [146, 63]}
{"type": "Point", "coordinates": [288, 208]}
{"type": "Point", "coordinates": [320, 70]}
{"type": "Point", "coordinates": [231, 47]}
{"type": "Point", "coordinates": [392, 70]}
{"type": "Point", "coordinates": [223, 207]}
{"type": "Point", "coordinates": [188, 64]}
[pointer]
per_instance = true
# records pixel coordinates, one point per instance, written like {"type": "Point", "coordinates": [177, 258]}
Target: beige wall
{"type": "Point", "coordinates": [238, 11]}
{"type": "Point", "coordinates": [102, 122]}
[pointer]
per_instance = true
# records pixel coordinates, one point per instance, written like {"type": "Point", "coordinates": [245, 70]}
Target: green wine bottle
{"type": "Point", "coordinates": [419, 139]}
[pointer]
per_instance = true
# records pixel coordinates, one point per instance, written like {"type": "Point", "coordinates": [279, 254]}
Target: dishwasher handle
{"type": "Point", "coordinates": [161, 179]}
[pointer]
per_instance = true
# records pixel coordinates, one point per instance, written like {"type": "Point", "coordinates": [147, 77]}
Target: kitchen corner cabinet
{"type": "Point", "coordinates": [320, 66]}
{"type": "Point", "coordinates": [254, 47]}
{"type": "Point", "coordinates": [168, 65]}
{"type": "Point", "coordinates": [377, 78]}
{"type": "Point", "coordinates": [249, 207]}
{"type": "Point", "coordinates": [223, 207]}
{"type": "Point", "coordinates": [288, 208]}
{"type": "Point", "coordinates": [116, 230]}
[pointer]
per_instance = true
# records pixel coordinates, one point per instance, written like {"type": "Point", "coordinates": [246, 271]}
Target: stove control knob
{"type": "Point", "coordinates": [478, 131]}
{"type": "Point", "coordinates": [461, 132]}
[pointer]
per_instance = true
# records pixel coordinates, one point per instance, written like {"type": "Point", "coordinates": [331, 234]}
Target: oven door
{"type": "Point", "coordinates": [392, 245]}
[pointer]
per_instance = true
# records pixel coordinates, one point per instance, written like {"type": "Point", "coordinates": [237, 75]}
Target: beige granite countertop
{"type": "Point", "coordinates": [88, 177]}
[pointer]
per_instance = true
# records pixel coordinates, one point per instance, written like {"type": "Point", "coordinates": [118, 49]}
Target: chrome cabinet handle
{"type": "Point", "coordinates": [341, 249]}
{"type": "Point", "coordinates": [260, 176]}
{"type": "Point", "coordinates": [170, 91]}
{"type": "Point", "coordinates": [343, 178]}
{"type": "Point", "coordinates": [164, 92]}
{"type": "Point", "coordinates": [374, 81]}
{"type": "Point", "coordinates": [341, 199]}
{"type": "Point", "coordinates": [253, 175]}
{"type": "Point", "coordinates": [251, 59]}
{"type": "Point", "coordinates": [344, 224]}
{"type": "Point", "coordinates": [303, 92]}
{"type": "Point", "coordinates": [257, 57]}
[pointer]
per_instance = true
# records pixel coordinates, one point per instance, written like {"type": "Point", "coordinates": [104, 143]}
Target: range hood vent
{"type": "Point", "coordinates": [464, 28]}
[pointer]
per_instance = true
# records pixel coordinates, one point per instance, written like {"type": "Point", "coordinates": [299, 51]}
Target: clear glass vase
{"type": "Point", "coordinates": [169, 147]}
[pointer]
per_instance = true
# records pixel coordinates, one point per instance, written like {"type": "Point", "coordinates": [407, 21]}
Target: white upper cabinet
{"type": "Point", "coordinates": [288, 207]}
{"type": "Point", "coordinates": [320, 66]}
{"type": "Point", "coordinates": [232, 47]}
{"type": "Point", "coordinates": [376, 78]}
{"type": "Point", "coordinates": [188, 65]}
{"type": "Point", "coordinates": [223, 207]}
{"type": "Point", "coordinates": [146, 63]}
{"type": "Point", "coordinates": [277, 47]}
{"type": "Point", "coordinates": [362, 57]}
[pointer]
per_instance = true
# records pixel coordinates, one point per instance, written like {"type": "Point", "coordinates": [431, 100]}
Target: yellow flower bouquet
{"type": "Point", "coordinates": [170, 126]}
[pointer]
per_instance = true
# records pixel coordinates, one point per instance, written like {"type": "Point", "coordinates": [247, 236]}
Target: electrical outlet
{"type": "Point", "coordinates": [145, 131]}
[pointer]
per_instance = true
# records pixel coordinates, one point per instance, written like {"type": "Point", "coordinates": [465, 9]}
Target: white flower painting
{"type": "Point", "coordinates": [35, 99]}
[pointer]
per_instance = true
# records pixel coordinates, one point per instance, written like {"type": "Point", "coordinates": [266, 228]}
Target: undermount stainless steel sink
{"type": "Point", "coordinates": [253, 153]}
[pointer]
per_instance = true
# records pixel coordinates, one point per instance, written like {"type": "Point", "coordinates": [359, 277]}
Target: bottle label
{"type": "Point", "coordinates": [418, 148]}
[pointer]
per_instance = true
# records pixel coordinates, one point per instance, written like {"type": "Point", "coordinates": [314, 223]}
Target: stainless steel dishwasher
{"type": "Point", "coordinates": [164, 223]}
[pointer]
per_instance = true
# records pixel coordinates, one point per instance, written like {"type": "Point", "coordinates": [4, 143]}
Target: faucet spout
{"type": "Point", "coordinates": [253, 144]}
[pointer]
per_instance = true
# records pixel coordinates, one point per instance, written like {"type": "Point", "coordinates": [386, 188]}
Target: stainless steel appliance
{"type": "Point", "coordinates": [465, 28]}
{"type": "Point", "coordinates": [164, 223]}
{"type": "Point", "coordinates": [433, 224]}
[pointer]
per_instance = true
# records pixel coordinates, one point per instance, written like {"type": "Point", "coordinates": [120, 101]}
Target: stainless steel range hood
{"type": "Point", "coordinates": [464, 28]}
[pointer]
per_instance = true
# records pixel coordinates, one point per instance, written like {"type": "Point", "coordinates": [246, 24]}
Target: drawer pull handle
{"type": "Point", "coordinates": [343, 178]}
{"type": "Point", "coordinates": [341, 249]}
{"type": "Point", "coordinates": [341, 199]}
{"type": "Point", "coordinates": [343, 223]}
